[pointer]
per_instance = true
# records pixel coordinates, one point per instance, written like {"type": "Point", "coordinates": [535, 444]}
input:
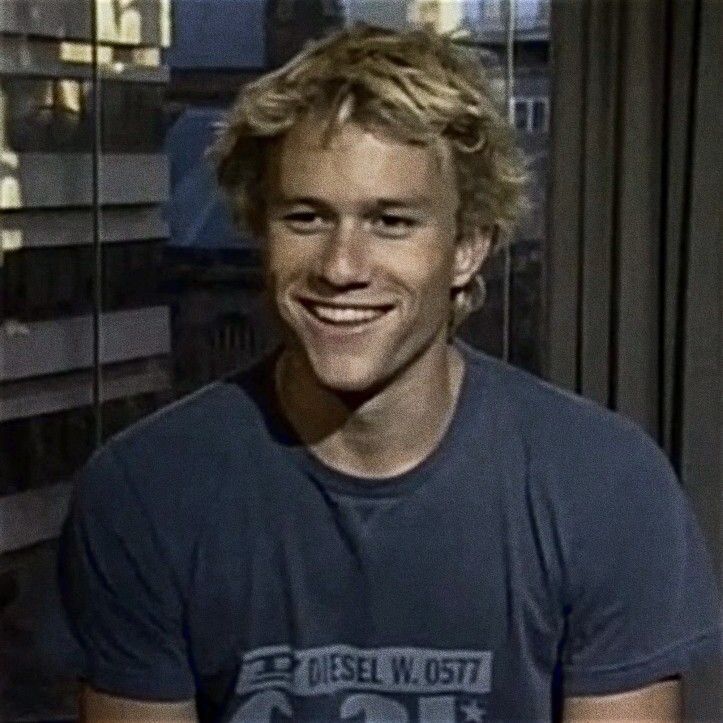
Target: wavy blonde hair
{"type": "Point", "coordinates": [416, 86]}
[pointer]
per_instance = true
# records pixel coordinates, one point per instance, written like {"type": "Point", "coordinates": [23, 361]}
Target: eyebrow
{"type": "Point", "coordinates": [411, 202]}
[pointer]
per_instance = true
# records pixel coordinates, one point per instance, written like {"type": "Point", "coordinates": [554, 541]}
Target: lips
{"type": "Point", "coordinates": [345, 314]}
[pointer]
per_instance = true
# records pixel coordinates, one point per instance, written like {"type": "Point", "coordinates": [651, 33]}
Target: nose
{"type": "Point", "coordinates": [344, 261]}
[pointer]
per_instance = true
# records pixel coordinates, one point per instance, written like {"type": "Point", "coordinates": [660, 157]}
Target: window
{"type": "Point", "coordinates": [532, 115]}
{"type": "Point", "coordinates": [540, 115]}
{"type": "Point", "coordinates": [521, 114]}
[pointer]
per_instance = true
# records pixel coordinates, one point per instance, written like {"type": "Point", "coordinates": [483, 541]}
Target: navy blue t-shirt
{"type": "Point", "coordinates": [543, 549]}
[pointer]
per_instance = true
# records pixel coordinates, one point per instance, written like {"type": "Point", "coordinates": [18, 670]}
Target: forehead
{"type": "Point", "coordinates": [355, 164]}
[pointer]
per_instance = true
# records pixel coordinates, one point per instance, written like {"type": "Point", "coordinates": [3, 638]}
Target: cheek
{"type": "Point", "coordinates": [275, 252]}
{"type": "Point", "coordinates": [282, 261]}
{"type": "Point", "coordinates": [276, 278]}
{"type": "Point", "coordinates": [429, 271]}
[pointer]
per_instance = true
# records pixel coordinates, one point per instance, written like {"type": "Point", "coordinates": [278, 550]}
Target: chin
{"type": "Point", "coordinates": [347, 375]}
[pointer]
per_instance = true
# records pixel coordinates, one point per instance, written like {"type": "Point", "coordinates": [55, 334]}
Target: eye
{"type": "Point", "coordinates": [393, 225]}
{"type": "Point", "coordinates": [305, 221]}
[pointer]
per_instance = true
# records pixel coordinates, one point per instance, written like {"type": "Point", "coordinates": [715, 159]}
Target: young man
{"type": "Point", "coordinates": [378, 523]}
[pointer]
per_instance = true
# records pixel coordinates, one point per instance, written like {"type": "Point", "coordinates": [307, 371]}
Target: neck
{"type": "Point", "coordinates": [375, 435]}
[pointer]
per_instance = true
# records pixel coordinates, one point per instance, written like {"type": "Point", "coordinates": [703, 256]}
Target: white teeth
{"type": "Point", "coordinates": [345, 315]}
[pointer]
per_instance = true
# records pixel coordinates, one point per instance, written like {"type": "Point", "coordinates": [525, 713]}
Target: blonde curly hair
{"type": "Point", "coordinates": [415, 85]}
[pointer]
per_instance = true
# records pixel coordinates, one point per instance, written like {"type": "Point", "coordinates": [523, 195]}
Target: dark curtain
{"type": "Point", "coordinates": [632, 312]}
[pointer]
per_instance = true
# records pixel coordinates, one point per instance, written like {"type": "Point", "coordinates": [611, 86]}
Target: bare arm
{"type": "Point", "coordinates": [97, 707]}
{"type": "Point", "coordinates": [662, 702]}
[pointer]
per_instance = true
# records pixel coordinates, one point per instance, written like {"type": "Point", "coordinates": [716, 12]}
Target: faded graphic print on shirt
{"type": "Point", "coordinates": [342, 682]}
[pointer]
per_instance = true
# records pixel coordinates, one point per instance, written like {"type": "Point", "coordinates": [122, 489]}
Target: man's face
{"type": "Point", "coordinates": [361, 252]}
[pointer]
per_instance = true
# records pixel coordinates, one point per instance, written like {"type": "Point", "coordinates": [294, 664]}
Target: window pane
{"type": "Point", "coordinates": [46, 310]}
{"type": "Point", "coordinates": [518, 292]}
{"type": "Point", "coordinates": [539, 116]}
{"type": "Point", "coordinates": [48, 275]}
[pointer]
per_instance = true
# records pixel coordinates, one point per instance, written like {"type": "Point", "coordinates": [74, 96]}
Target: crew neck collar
{"type": "Point", "coordinates": [400, 484]}
{"type": "Point", "coordinates": [258, 382]}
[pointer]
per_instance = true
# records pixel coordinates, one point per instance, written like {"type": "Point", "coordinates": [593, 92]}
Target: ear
{"type": "Point", "coordinates": [469, 254]}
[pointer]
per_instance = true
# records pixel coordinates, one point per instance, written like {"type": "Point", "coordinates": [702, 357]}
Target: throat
{"type": "Point", "coordinates": [375, 438]}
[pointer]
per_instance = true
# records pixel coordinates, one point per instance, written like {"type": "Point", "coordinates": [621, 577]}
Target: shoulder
{"type": "Point", "coordinates": [596, 480]}
{"type": "Point", "coordinates": [591, 478]}
{"type": "Point", "coordinates": [612, 521]}
{"type": "Point", "coordinates": [197, 422]}
{"type": "Point", "coordinates": [219, 416]}
{"type": "Point", "coordinates": [562, 434]}
{"type": "Point", "coordinates": [171, 464]}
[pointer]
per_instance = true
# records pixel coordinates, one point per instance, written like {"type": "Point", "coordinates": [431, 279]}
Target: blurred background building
{"type": "Point", "coordinates": [119, 125]}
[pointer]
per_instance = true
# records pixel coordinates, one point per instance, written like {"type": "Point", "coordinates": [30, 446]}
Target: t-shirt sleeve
{"type": "Point", "coordinates": [643, 603]}
{"type": "Point", "coordinates": [122, 602]}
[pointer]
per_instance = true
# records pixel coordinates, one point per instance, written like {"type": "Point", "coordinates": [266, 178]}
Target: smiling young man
{"type": "Point", "coordinates": [377, 523]}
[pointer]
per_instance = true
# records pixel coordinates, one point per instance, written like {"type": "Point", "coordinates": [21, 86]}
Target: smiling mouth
{"type": "Point", "coordinates": [350, 316]}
